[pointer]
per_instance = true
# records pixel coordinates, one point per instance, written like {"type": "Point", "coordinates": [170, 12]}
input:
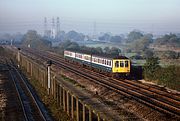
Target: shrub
{"type": "Point", "coordinates": [169, 76]}
{"type": "Point", "coordinates": [150, 68]}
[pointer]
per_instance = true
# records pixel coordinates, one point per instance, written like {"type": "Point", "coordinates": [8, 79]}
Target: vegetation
{"type": "Point", "coordinates": [109, 38]}
{"type": "Point", "coordinates": [167, 54]}
{"type": "Point", "coordinates": [89, 50]}
{"type": "Point", "coordinates": [167, 76]}
{"type": "Point", "coordinates": [168, 40]}
{"type": "Point", "coordinates": [141, 44]}
{"type": "Point", "coordinates": [33, 40]}
{"type": "Point", "coordinates": [7, 38]}
{"type": "Point", "coordinates": [134, 35]}
{"type": "Point", "coordinates": [2, 51]}
{"type": "Point", "coordinates": [150, 68]}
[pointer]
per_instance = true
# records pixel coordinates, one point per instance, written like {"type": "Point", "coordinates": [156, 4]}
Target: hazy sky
{"type": "Point", "coordinates": [117, 16]}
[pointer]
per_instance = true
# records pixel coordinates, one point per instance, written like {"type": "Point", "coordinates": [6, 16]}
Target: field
{"type": "Point", "coordinates": [100, 44]}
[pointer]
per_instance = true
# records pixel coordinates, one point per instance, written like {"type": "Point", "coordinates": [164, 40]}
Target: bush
{"type": "Point", "coordinates": [169, 76]}
{"type": "Point", "coordinates": [151, 68]}
{"type": "Point", "coordinates": [167, 55]}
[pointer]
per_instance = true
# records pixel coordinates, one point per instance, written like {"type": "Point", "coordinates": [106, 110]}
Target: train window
{"type": "Point", "coordinates": [126, 64]}
{"type": "Point", "coordinates": [109, 63]}
{"type": "Point", "coordinates": [121, 64]}
{"type": "Point", "coordinates": [117, 64]}
{"type": "Point", "coordinates": [95, 59]}
{"type": "Point", "coordinates": [98, 60]}
{"type": "Point", "coordinates": [103, 61]}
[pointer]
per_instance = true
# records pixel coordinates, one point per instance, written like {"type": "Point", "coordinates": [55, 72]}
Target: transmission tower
{"type": "Point", "coordinates": [45, 26]}
{"type": "Point", "coordinates": [53, 33]}
{"type": "Point", "coordinates": [57, 28]}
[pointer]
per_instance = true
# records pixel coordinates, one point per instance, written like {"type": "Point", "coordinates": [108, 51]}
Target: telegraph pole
{"type": "Point", "coordinates": [18, 56]}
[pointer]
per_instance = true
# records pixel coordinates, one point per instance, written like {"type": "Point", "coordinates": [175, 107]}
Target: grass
{"type": "Point", "coordinates": [72, 81]}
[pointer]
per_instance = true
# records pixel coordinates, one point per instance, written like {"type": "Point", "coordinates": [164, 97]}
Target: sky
{"type": "Point", "coordinates": [115, 16]}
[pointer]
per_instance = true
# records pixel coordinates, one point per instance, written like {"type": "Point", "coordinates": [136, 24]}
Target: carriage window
{"type": "Point", "coordinates": [117, 64]}
{"type": "Point", "coordinates": [103, 61]}
{"type": "Point", "coordinates": [121, 64]}
{"type": "Point", "coordinates": [126, 64]}
{"type": "Point", "coordinates": [100, 60]}
{"type": "Point", "coordinates": [109, 63]}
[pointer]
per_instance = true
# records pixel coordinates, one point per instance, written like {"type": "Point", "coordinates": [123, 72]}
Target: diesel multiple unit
{"type": "Point", "coordinates": [120, 64]}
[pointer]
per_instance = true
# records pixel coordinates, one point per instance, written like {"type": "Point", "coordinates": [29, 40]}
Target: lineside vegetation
{"type": "Point", "coordinates": [168, 76]}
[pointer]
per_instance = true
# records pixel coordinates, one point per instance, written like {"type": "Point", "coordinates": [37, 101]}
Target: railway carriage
{"type": "Point", "coordinates": [118, 65]}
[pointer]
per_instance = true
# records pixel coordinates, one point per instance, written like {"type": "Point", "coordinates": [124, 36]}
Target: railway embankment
{"type": "Point", "coordinates": [124, 106]}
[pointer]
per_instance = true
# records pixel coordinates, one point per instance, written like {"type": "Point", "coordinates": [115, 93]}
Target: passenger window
{"type": "Point", "coordinates": [117, 64]}
{"type": "Point", "coordinates": [126, 64]}
{"type": "Point", "coordinates": [121, 64]}
{"type": "Point", "coordinates": [109, 63]}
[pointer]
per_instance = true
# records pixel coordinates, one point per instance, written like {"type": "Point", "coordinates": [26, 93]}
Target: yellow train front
{"type": "Point", "coordinates": [121, 65]}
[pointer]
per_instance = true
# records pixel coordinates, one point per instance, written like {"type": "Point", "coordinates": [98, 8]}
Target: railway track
{"type": "Point", "coordinates": [152, 96]}
{"type": "Point", "coordinates": [33, 109]}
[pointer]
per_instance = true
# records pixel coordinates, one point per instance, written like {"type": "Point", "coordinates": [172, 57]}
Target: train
{"type": "Point", "coordinates": [119, 65]}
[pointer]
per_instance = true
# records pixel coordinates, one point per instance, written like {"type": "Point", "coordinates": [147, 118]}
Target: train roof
{"type": "Point", "coordinates": [107, 56]}
{"type": "Point", "coordinates": [120, 57]}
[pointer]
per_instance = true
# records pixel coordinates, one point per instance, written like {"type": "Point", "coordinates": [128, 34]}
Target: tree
{"type": "Point", "coordinates": [107, 50]}
{"type": "Point", "coordinates": [134, 35]}
{"type": "Point", "coordinates": [150, 68]}
{"type": "Point", "coordinates": [35, 41]}
{"type": "Point", "coordinates": [140, 45]}
{"type": "Point", "coordinates": [74, 36]}
{"type": "Point", "coordinates": [116, 39]}
{"type": "Point", "coordinates": [115, 51]}
{"type": "Point", "coordinates": [105, 37]}
{"type": "Point", "coordinates": [168, 40]}
{"type": "Point", "coordinates": [99, 50]}
{"type": "Point", "coordinates": [73, 45]}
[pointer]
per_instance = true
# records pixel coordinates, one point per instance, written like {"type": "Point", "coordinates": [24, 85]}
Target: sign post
{"type": "Point", "coordinates": [49, 63]}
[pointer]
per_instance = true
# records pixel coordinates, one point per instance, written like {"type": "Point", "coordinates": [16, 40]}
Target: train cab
{"type": "Point", "coordinates": [121, 65]}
